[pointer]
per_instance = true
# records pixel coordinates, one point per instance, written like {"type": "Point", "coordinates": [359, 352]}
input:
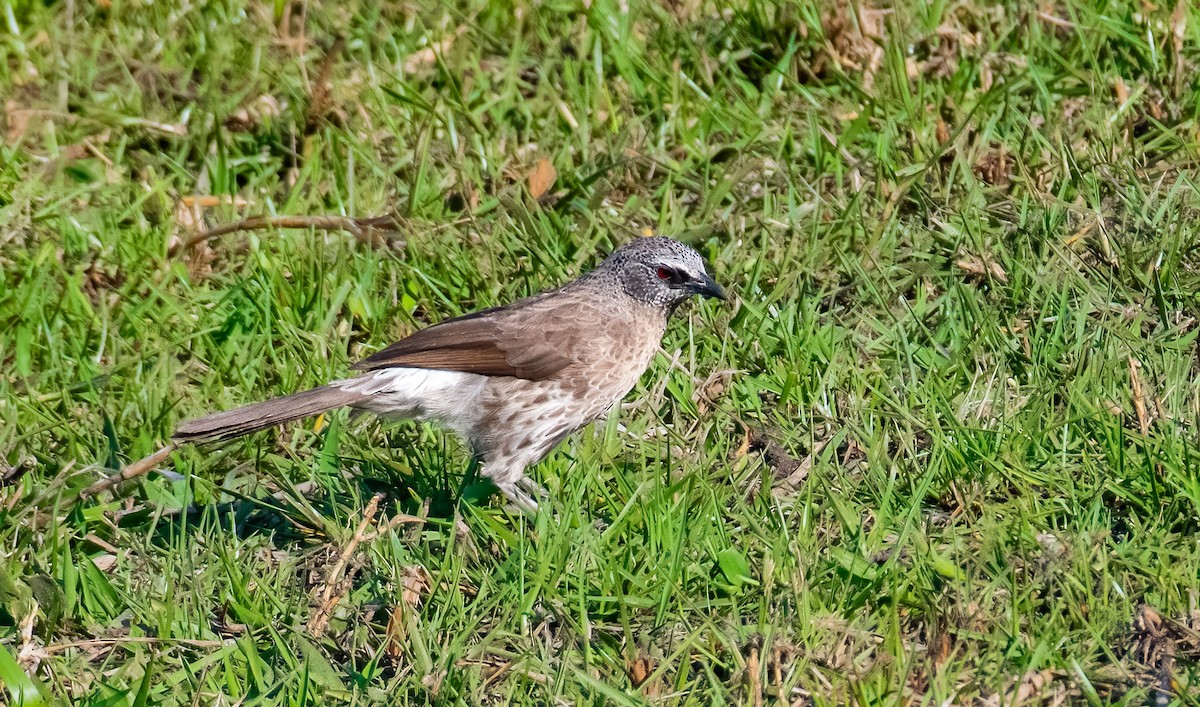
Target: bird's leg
{"type": "Point", "coordinates": [533, 488]}
{"type": "Point", "coordinates": [512, 482]}
{"type": "Point", "coordinates": [519, 497]}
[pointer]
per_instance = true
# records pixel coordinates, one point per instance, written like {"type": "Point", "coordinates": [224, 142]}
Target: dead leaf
{"type": "Point", "coordinates": [16, 120]}
{"type": "Point", "coordinates": [249, 117]}
{"type": "Point", "coordinates": [189, 215]}
{"type": "Point", "coordinates": [1031, 685]}
{"type": "Point", "coordinates": [429, 55]}
{"type": "Point", "coordinates": [744, 448]}
{"type": "Point", "coordinates": [1121, 91]}
{"type": "Point", "coordinates": [105, 562]}
{"type": "Point", "coordinates": [711, 390]}
{"type": "Point", "coordinates": [995, 167]}
{"type": "Point", "coordinates": [982, 268]}
{"type": "Point", "coordinates": [414, 583]}
{"type": "Point", "coordinates": [1083, 231]}
{"type": "Point", "coordinates": [542, 178]}
{"type": "Point", "coordinates": [943, 132]}
{"type": "Point", "coordinates": [1032, 688]}
{"type": "Point", "coordinates": [855, 42]}
{"type": "Point", "coordinates": [640, 669]}
{"type": "Point", "coordinates": [1156, 641]}
{"type": "Point", "coordinates": [396, 633]}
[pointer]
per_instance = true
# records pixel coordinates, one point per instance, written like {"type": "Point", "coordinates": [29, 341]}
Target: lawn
{"type": "Point", "coordinates": [940, 447]}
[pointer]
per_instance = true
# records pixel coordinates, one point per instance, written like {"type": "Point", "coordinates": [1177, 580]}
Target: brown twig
{"type": "Point", "coordinates": [335, 589]}
{"type": "Point", "coordinates": [140, 467]}
{"type": "Point", "coordinates": [366, 229]}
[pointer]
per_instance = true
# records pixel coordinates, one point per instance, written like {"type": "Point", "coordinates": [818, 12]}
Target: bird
{"type": "Point", "coordinates": [512, 381]}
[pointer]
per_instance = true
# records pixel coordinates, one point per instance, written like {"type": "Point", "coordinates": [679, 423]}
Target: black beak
{"type": "Point", "coordinates": [708, 287]}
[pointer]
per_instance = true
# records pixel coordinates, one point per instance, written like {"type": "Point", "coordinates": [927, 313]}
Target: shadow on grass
{"type": "Point", "coordinates": [302, 513]}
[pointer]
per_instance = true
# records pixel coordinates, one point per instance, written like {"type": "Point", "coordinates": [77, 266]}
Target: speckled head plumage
{"type": "Point", "coordinates": [660, 272]}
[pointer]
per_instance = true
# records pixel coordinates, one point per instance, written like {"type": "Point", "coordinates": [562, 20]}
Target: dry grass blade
{"type": "Point", "coordinates": [753, 676]}
{"type": "Point", "coordinates": [334, 587]}
{"type": "Point", "coordinates": [1139, 395]}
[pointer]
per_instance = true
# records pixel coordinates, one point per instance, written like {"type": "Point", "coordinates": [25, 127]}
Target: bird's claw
{"type": "Point", "coordinates": [525, 494]}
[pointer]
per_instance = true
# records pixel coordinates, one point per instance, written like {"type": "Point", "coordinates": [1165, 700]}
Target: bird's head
{"type": "Point", "coordinates": [661, 272]}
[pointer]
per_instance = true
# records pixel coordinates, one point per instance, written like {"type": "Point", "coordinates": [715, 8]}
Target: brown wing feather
{"type": "Point", "coordinates": [505, 341]}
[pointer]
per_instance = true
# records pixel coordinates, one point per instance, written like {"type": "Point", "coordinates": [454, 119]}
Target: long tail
{"type": "Point", "coordinates": [244, 420]}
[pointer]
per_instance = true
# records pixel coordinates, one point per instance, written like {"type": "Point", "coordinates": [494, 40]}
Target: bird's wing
{"type": "Point", "coordinates": [515, 340]}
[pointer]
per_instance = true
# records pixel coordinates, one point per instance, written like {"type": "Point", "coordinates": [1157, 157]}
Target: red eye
{"type": "Point", "coordinates": [663, 273]}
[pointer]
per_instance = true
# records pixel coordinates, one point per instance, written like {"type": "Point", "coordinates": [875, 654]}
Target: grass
{"type": "Point", "coordinates": [963, 239]}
